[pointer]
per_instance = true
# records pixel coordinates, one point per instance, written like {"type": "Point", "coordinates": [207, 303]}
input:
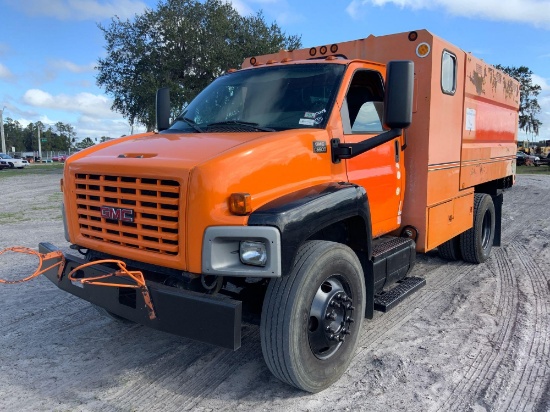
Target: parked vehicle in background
{"type": "Point", "coordinates": [4, 164]}
{"type": "Point", "coordinates": [525, 159]}
{"type": "Point", "coordinates": [545, 160]}
{"type": "Point", "coordinates": [12, 162]}
{"type": "Point", "coordinates": [60, 158]}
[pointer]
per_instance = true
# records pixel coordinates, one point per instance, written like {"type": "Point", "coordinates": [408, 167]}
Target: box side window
{"type": "Point", "coordinates": [448, 72]}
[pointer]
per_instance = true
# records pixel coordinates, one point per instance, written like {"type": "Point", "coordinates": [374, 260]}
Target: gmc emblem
{"type": "Point", "coordinates": [117, 213]}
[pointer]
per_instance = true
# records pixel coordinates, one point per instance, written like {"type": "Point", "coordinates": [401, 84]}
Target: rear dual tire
{"type": "Point", "coordinates": [476, 243]}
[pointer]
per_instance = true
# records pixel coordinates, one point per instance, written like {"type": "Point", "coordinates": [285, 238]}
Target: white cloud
{"type": "Point", "coordinates": [536, 12]}
{"type": "Point", "coordinates": [80, 9]}
{"type": "Point", "coordinates": [5, 72]}
{"type": "Point", "coordinates": [96, 106]}
{"type": "Point", "coordinates": [93, 116]}
{"type": "Point", "coordinates": [95, 128]}
{"type": "Point", "coordinates": [72, 67]}
{"type": "Point", "coordinates": [541, 81]}
{"type": "Point", "coordinates": [280, 11]}
{"type": "Point", "coordinates": [242, 8]}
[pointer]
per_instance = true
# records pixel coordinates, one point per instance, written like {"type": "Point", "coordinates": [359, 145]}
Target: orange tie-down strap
{"type": "Point", "coordinates": [134, 275]}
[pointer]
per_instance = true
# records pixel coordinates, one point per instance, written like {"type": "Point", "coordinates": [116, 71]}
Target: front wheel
{"type": "Point", "coordinates": [311, 318]}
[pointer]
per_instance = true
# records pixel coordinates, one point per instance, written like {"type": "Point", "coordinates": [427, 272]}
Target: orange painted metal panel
{"type": "Point", "coordinates": [443, 180]}
{"type": "Point", "coordinates": [267, 168]}
{"type": "Point", "coordinates": [449, 219]}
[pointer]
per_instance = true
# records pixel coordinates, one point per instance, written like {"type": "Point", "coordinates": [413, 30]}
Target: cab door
{"type": "Point", "coordinates": [380, 170]}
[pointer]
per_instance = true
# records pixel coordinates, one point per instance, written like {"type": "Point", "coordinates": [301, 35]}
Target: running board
{"type": "Point", "coordinates": [386, 300]}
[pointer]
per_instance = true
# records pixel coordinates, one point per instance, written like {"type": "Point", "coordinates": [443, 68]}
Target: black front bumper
{"type": "Point", "coordinates": [214, 319]}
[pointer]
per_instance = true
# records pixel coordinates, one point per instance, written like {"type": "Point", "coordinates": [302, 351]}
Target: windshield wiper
{"type": "Point", "coordinates": [252, 125]}
{"type": "Point", "coordinates": [190, 123]}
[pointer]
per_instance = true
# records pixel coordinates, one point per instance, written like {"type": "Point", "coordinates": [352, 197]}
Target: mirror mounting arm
{"type": "Point", "coordinates": [350, 150]}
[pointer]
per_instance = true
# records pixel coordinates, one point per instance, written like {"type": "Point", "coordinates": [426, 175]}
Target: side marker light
{"type": "Point", "coordinates": [240, 203]}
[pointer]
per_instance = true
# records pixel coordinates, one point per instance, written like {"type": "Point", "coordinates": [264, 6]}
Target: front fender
{"type": "Point", "coordinates": [300, 215]}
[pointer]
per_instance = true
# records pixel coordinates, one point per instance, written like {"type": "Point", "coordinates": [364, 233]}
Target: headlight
{"type": "Point", "coordinates": [253, 253]}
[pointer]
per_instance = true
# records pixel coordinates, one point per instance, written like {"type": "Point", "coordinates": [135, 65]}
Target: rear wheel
{"type": "Point", "coordinates": [311, 318]}
{"type": "Point", "coordinates": [476, 242]}
{"type": "Point", "coordinates": [450, 250]}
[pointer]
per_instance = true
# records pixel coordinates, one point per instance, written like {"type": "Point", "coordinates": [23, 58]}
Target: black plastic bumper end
{"type": "Point", "coordinates": [213, 319]}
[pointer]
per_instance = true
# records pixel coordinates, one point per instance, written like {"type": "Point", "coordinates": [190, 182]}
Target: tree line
{"type": "Point", "coordinates": [60, 137]}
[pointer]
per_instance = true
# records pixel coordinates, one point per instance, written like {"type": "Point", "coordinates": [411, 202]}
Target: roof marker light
{"type": "Point", "coordinates": [423, 49]}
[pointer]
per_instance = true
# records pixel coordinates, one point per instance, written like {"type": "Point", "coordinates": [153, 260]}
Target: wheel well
{"type": "Point", "coordinates": [352, 232]}
{"type": "Point", "coordinates": [492, 188]}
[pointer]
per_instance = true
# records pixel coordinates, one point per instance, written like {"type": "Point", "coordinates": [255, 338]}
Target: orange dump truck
{"type": "Point", "coordinates": [295, 193]}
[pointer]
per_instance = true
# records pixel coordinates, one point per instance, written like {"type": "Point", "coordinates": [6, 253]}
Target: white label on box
{"type": "Point", "coordinates": [470, 119]}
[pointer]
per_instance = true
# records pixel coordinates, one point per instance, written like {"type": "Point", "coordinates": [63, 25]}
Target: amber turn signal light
{"type": "Point", "coordinates": [61, 185]}
{"type": "Point", "coordinates": [240, 204]}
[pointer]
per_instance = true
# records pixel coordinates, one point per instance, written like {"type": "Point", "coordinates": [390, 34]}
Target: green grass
{"type": "Point", "coordinates": [55, 197]}
{"type": "Point", "coordinates": [12, 218]}
{"type": "Point", "coordinates": [532, 170]}
{"type": "Point", "coordinates": [34, 169]}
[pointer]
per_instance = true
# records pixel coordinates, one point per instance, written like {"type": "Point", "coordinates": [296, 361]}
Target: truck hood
{"type": "Point", "coordinates": [164, 150]}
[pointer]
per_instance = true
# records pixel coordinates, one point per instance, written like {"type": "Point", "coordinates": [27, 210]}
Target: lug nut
{"type": "Point", "coordinates": [350, 319]}
{"type": "Point", "coordinates": [341, 338]}
{"type": "Point", "coordinates": [331, 315]}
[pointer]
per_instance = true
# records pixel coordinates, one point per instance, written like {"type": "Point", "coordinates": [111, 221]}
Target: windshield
{"type": "Point", "coordinates": [265, 99]}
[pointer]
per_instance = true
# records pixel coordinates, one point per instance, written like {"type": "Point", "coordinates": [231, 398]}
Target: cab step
{"type": "Point", "coordinates": [386, 300]}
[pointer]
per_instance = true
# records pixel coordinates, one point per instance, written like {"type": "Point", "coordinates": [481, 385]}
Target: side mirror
{"type": "Point", "coordinates": [163, 109]}
{"type": "Point", "coordinates": [399, 94]}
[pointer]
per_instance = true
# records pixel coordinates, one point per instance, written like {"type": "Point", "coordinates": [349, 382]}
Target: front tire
{"type": "Point", "coordinates": [311, 318]}
{"type": "Point", "coordinates": [476, 242]}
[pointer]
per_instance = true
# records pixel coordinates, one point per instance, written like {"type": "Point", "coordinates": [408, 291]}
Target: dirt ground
{"type": "Point", "coordinates": [477, 337]}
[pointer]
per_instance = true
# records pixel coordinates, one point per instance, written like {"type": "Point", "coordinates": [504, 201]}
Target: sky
{"type": "Point", "coordinates": [49, 48]}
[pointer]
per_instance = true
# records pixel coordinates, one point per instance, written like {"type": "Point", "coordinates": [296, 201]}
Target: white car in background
{"type": "Point", "coordinates": [13, 163]}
